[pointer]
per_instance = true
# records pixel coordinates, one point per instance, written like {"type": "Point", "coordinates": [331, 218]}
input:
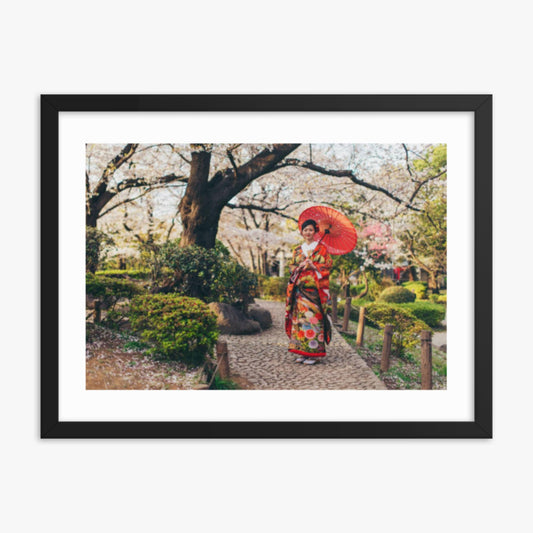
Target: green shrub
{"type": "Point", "coordinates": [195, 268]}
{"type": "Point", "coordinates": [209, 274]}
{"type": "Point", "coordinates": [125, 274]}
{"type": "Point", "coordinates": [441, 298]}
{"type": "Point", "coordinates": [97, 245]}
{"type": "Point", "coordinates": [354, 310]}
{"type": "Point", "coordinates": [109, 291]}
{"type": "Point", "coordinates": [397, 295]}
{"type": "Point", "coordinates": [420, 288]}
{"type": "Point", "coordinates": [333, 286]}
{"type": "Point", "coordinates": [235, 285]}
{"type": "Point", "coordinates": [406, 326]}
{"type": "Point", "coordinates": [223, 384]}
{"type": "Point", "coordinates": [273, 288]}
{"type": "Point", "coordinates": [376, 287]}
{"type": "Point", "coordinates": [430, 313]}
{"type": "Point", "coordinates": [179, 327]}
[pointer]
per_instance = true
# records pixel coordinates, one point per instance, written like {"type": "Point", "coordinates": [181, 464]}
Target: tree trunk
{"type": "Point", "coordinates": [91, 219]}
{"type": "Point", "coordinates": [200, 229]}
{"type": "Point", "coordinates": [264, 264]}
{"type": "Point", "coordinates": [346, 290]}
{"type": "Point", "coordinates": [205, 198]}
{"type": "Point", "coordinates": [199, 212]}
{"type": "Point", "coordinates": [254, 268]}
{"type": "Point", "coordinates": [96, 204]}
{"type": "Point", "coordinates": [432, 282]}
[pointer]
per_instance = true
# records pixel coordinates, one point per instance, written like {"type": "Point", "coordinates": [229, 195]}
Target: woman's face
{"type": "Point", "coordinates": [308, 233]}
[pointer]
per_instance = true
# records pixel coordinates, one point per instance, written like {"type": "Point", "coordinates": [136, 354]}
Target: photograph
{"type": "Point", "coordinates": [266, 266]}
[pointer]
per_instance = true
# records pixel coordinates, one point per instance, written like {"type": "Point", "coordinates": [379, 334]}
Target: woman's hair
{"type": "Point", "coordinates": [310, 222]}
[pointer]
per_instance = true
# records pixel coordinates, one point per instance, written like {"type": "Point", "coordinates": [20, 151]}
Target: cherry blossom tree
{"type": "Point", "coordinates": [254, 192]}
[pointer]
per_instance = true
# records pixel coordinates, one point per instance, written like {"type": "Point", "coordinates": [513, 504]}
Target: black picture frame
{"type": "Point", "coordinates": [53, 105]}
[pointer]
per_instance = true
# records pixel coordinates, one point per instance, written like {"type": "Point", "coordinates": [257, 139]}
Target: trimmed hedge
{"type": "Point", "coordinates": [108, 290]}
{"type": "Point", "coordinates": [430, 313]}
{"type": "Point", "coordinates": [125, 274]}
{"type": "Point", "coordinates": [180, 328]}
{"type": "Point", "coordinates": [397, 295]}
{"type": "Point", "coordinates": [438, 298]}
{"type": "Point", "coordinates": [420, 288]}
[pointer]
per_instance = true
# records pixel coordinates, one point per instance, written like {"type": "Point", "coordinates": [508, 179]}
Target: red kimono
{"type": "Point", "coordinates": [308, 304]}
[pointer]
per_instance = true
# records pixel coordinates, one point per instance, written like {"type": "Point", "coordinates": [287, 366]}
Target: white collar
{"type": "Point", "coordinates": [309, 247]}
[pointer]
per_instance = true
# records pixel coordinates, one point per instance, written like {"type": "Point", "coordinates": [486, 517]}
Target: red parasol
{"type": "Point", "coordinates": [335, 229]}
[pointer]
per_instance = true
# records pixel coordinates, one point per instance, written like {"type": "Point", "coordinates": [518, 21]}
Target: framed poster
{"type": "Point", "coordinates": [85, 141]}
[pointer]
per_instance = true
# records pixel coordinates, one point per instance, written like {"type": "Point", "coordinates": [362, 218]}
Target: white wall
{"type": "Point", "coordinates": [267, 47]}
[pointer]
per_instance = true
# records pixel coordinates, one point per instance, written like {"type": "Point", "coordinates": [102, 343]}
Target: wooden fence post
{"type": "Point", "coordinates": [387, 343]}
{"type": "Point", "coordinates": [223, 360]}
{"type": "Point", "coordinates": [361, 326]}
{"type": "Point", "coordinates": [346, 317]}
{"type": "Point", "coordinates": [97, 311]}
{"type": "Point", "coordinates": [334, 317]}
{"type": "Point", "coordinates": [426, 360]}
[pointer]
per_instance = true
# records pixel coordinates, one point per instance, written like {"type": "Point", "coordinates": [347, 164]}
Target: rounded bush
{"type": "Point", "coordinates": [375, 288]}
{"type": "Point", "coordinates": [208, 274]}
{"type": "Point", "coordinates": [142, 274]}
{"type": "Point", "coordinates": [430, 313]}
{"type": "Point", "coordinates": [235, 285]}
{"type": "Point", "coordinates": [110, 290]}
{"type": "Point", "coordinates": [420, 288]}
{"type": "Point", "coordinates": [397, 295]}
{"type": "Point", "coordinates": [180, 328]}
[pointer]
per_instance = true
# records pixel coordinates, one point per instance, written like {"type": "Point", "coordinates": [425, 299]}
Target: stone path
{"type": "Point", "coordinates": [263, 359]}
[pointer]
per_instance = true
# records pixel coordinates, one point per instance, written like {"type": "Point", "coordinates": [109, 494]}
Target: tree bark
{"type": "Point", "coordinates": [198, 209]}
{"type": "Point", "coordinates": [432, 283]}
{"type": "Point", "coordinates": [204, 199]}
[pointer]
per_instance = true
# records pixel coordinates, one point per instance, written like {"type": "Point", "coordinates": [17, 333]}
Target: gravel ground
{"type": "Point", "coordinates": [264, 361]}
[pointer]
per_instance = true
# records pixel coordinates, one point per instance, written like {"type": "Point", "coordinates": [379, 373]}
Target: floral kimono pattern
{"type": "Point", "coordinates": [308, 304]}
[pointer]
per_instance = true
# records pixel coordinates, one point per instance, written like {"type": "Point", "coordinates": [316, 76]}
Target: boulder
{"type": "Point", "coordinates": [232, 321]}
{"type": "Point", "coordinates": [261, 315]}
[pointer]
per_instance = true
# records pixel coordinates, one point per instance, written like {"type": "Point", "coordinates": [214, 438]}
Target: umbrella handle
{"type": "Point", "coordinates": [326, 232]}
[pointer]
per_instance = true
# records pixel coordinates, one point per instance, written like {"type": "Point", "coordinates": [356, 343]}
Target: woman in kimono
{"type": "Point", "coordinates": [308, 300]}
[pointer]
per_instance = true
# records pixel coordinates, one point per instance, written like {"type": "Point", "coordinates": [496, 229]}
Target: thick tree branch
{"type": "Point", "coordinates": [233, 164]}
{"type": "Point", "coordinates": [149, 182]}
{"type": "Point", "coordinates": [226, 184]}
{"type": "Point", "coordinates": [125, 154]}
{"type": "Point", "coordinates": [129, 200]}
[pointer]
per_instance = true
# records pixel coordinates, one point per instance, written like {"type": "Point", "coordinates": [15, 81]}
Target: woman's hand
{"type": "Point", "coordinates": [308, 264]}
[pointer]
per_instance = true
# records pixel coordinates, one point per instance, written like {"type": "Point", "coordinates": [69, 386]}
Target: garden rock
{"type": "Point", "coordinates": [261, 315]}
{"type": "Point", "coordinates": [231, 321]}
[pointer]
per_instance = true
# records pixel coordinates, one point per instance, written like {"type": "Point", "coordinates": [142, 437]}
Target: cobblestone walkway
{"type": "Point", "coordinates": [263, 359]}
